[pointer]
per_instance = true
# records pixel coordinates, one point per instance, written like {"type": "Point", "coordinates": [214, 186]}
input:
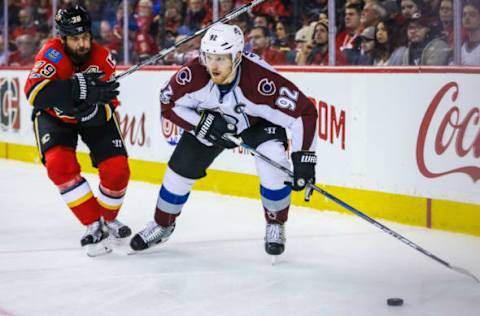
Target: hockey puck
{"type": "Point", "coordinates": [395, 301]}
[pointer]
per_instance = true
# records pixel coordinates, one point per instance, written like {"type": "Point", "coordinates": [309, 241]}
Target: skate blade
{"type": "Point", "coordinates": [98, 249]}
{"type": "Point", "coordinates": [119, 245]}
{"type": "Point", "coordinates": [151, 250]}
{"type": "Point", "coordinates": [273, 259]}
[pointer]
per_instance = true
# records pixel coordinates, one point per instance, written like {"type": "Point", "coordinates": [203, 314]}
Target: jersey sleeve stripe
{"type": "Point", "coordinates": [36, 89]}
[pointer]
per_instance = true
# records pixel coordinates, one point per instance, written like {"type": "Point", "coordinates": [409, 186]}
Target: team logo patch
{"type": "Point", "coordinates": [46, 138]}
{"type": "Point", "coordinates": [54, 55]}
{"type": "Point", "coordinates": [184, 76]}
{"type": "Point", "coordinates": [266, 88]}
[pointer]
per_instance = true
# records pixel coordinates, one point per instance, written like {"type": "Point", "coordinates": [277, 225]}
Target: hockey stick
{"type": "Point", "coordinates": [239, 142]}
{"type": "Point", "coordinates": [166, 51]}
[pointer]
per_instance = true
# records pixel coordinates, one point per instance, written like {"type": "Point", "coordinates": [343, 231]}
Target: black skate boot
{"type": "Point", "coordinates": [94, 240]}
{"type": "Point", "coordinates": [275, 239]}
{"type": "Point", "coordinates": [152, 234]}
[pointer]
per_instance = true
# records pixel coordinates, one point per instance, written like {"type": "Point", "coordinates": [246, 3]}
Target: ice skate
{"type": "Point", "coordinates": [152, 234]}
{"type": "Point", "coordinates": [117, 229]}
{"type": "Point", "coordinates": [94, 239]}
{"type": "Point", "coordinates": [275, 239]}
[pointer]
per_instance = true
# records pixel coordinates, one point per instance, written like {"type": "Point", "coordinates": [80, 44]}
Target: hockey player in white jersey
{"type": "Point", "coordinates": [225, 91]}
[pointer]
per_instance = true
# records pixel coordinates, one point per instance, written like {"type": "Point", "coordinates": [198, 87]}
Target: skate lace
{"type": "Point", "coordinates": [153, 231]}
{"type": "Point", "coordinates": [93, 230]}
{"type": "Point", "coordinates": [114, 225]}
{"type": "Point", "coordinates": [275, 233]}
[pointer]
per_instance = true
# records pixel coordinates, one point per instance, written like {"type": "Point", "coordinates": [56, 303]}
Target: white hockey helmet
{"type": "Point", "coordinates": [223, 39]}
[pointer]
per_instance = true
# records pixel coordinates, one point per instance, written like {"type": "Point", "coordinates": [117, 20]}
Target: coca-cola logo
{"type": "Point", "coordinates": [449, 130]}
{"type": "Point", "coordinates": [133, 129]}
{"type": "Point", "coordinates": [9, 104]}
{"type": "Point", "coordinates": [171, 132]}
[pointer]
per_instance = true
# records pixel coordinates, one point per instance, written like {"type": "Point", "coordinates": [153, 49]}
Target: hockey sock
{"type": "Point", "coordinates": [114, 174]}
{"type": "Point", "coordinates": [276, 204]}
{"type": "Point", "coordinates": [64, 171]}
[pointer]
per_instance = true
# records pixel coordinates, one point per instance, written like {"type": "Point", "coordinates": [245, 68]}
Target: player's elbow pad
{"type": "Point", "coordinates": [54, 94]}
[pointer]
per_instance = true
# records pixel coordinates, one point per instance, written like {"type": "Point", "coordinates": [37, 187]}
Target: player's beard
{"type": "Point", "coordinates": [80, 57]}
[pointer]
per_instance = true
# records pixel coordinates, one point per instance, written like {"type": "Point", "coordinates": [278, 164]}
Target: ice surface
{"type": "Point", "coordinates": [214, 263]}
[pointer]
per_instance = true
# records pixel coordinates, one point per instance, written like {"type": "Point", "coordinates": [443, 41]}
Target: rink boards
{"type": "Point", "coordinates": [401, 144]}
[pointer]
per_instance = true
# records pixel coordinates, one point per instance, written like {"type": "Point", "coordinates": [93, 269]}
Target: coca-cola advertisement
{"type": "Point", "coordinates": [449, 136]}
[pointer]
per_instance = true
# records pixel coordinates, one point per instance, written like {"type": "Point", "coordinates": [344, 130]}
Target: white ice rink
{"type": "Point", "coordinates": [215, 264]}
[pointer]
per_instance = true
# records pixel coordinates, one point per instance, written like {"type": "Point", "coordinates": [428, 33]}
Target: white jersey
{"type": "Point", "coordinates": [470, 56]}
{"type": "Point", "coordinates": [258, 92]}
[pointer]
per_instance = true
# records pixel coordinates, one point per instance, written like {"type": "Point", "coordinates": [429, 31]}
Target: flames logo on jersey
{"type": "Point", "coordinates": [266, 87]}
{"type": "Point", "coordinates": [184, 76]}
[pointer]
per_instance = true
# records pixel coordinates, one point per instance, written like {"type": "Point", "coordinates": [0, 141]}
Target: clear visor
{"type": "Point", "coordinates": [210, 58]}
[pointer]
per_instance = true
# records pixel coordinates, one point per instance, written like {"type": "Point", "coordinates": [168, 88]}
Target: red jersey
{"type": "Point", "coordinates": [52, 63]}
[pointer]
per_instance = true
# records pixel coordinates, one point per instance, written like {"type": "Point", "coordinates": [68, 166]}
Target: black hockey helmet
{"type": "Point", "coordinates": [72, 21]}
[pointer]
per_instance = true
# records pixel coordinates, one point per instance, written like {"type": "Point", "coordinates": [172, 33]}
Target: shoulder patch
{"type": "Point", "coordinates": [184, 76]}
{"type": "Point", "coordinates": [266, 87]}
{"type": "Point", "coordinates": [53, 55]}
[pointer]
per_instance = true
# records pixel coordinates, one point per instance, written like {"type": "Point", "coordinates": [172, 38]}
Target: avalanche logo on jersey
{"type": "Point", "coordinates": [184, 76]}
{"type": "Point", "coordinates": [53, 54]}
{"type": "Point", "coordinates": [266, 88]}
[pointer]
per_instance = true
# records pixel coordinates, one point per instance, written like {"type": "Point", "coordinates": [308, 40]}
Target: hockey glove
{"type": "Point", "coordinates": [88, 89]}
{"type": "Point", "coordinates": [212, 127]}
{"type": "Point", "coordinates": [96, 115]}
{"type": "Point", "coordinates": [303, 169]}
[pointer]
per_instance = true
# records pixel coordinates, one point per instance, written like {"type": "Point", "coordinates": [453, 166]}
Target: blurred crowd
{"type": "Point", "coordinates": [283, 32]}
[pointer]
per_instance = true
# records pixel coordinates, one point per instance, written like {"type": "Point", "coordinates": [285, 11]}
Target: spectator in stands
{"type": "Point", "coordinates": [282, 41]}
{"type": "Point", "coordinates": [471, 24]}
{"type": "Point", "coordinates": [371, 14]}
{"type": "Point", "coordinates": [42, 11]}
{"type": "Point", "coordinates": [367, 47]}
{"type": "Point", "coordinates": [261, 20]}
{"type": "Point", "coordinates": [392, 11]}
{"type": "Point", "coordinates": [26, 26]}
{"type": "Point", "coordinates": [173, 16]}
{"type": "Point", "coordinates": [353, 27]}
{"type": "Point", "coordinates": [226, 6]}
{"type": "Point", "coordinates": [144, 41]}
{"type": "Point", "coordinates": [387, 50]}
{"type": "Point", "coordinates": [303, 37]}
{"type": "Point", "coordinates": [432, 7]}
{"type": "Point", "coordinates": [108, 40]}
{"type": "Point", "coordinates": [260, 40]}
{"type": "Point", "coordinates": [424, 46]}
{"type": "Point", "coordinates": [446, 20]}
{"type": "Point", "coordinates": [26, 49]}
{"type": "Point", "coordinates": [319, 54]}
{"type": "Point", "coordinates": [409, 7]}
{"type": "Point", "coordinates": [197, 15]}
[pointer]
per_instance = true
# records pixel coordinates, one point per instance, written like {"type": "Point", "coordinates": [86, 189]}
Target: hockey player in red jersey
{"type": "Point", "coordinates": [72, 96]}
{"type": "Point", "coordinates": [225, 91]}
